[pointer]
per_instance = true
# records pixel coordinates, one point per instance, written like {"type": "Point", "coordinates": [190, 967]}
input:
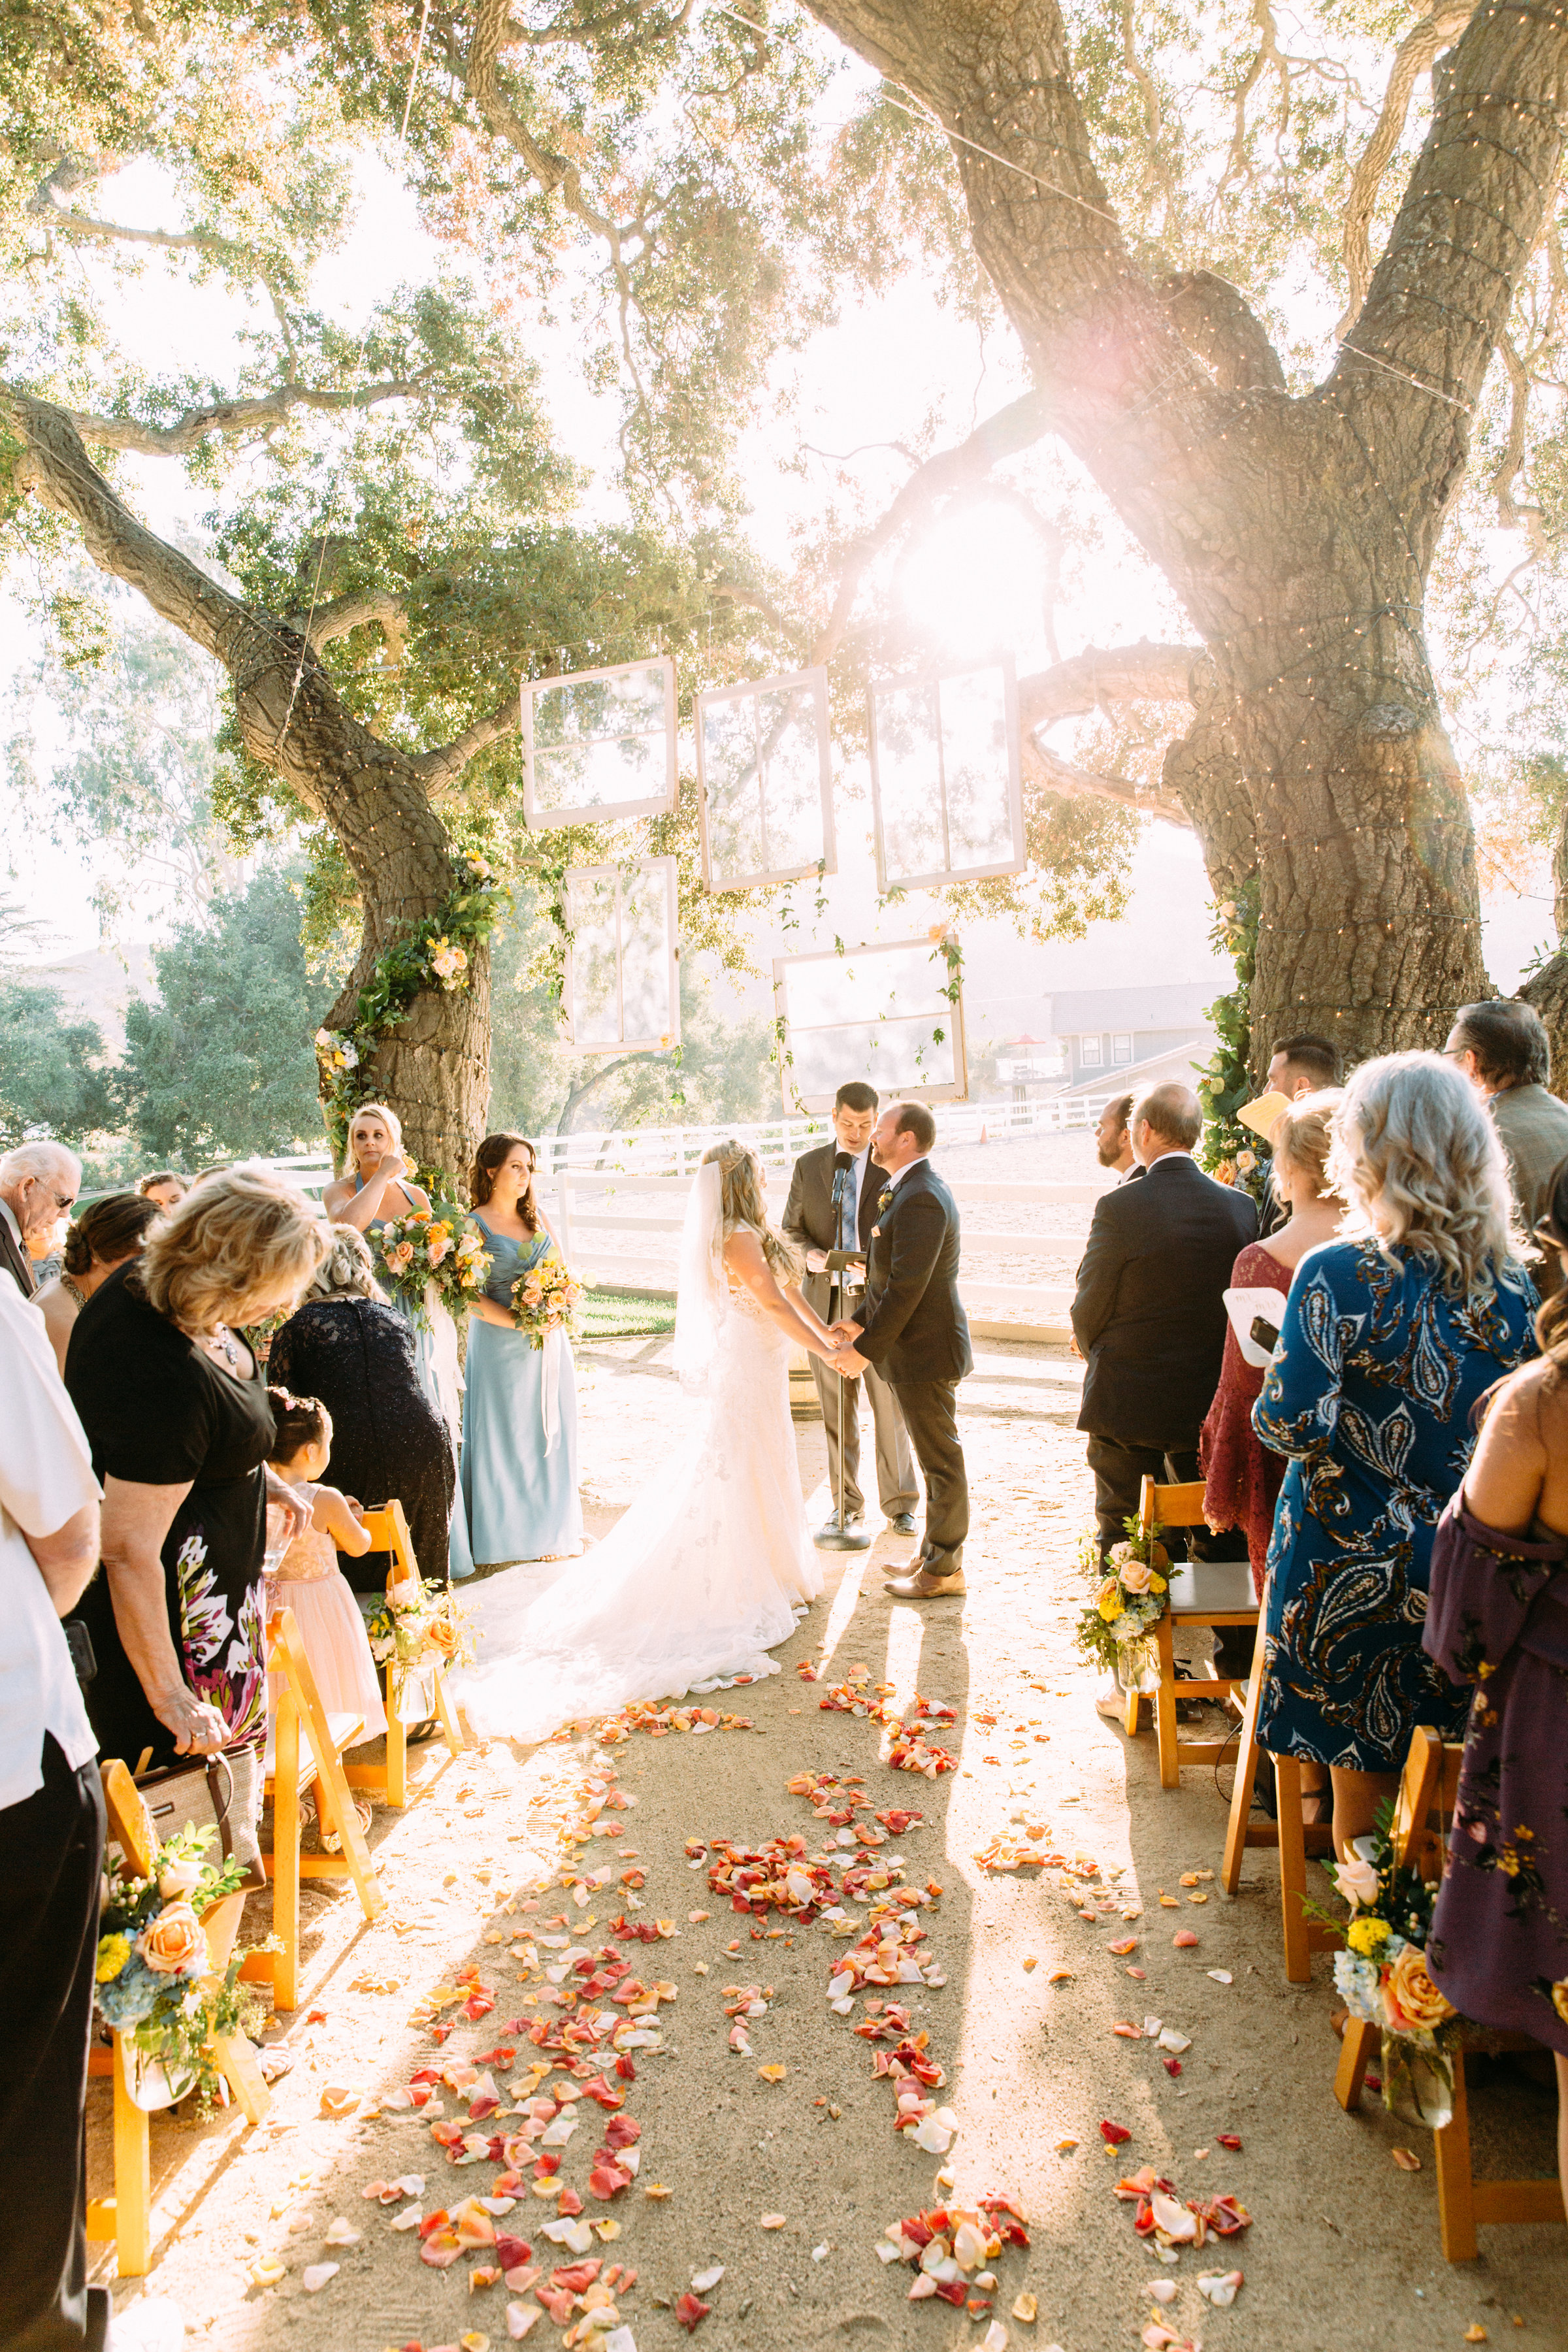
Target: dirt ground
{"type": "Point", "coordinates": [1342, 2247]}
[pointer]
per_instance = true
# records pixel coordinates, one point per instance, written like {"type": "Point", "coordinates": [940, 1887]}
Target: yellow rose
{"type": "Point", "coordinates": [1367, 1937]}
{"type": "Point", "coordinates": [173, 1944]}
{"type": "Point", "coordinates": [1413, 1998]}
{"type": "Point", "coordinates": [1157, 1584]}
{"type": "Point", "coordinates": [1109, 1599]}
{"type": "Point", "coordinates": [113, 1951]}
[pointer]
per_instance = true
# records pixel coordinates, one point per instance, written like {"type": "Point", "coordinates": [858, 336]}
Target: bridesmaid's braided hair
{"type": "Point", "coordinates": [299, 1422]}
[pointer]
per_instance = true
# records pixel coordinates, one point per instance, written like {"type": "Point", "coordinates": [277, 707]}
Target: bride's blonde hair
{"type": "Point", "coordinates": [743, 1208]}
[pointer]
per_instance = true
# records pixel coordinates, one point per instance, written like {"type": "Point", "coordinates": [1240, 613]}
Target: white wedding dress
{"type": "Point", "coordinates": [707, 1571]}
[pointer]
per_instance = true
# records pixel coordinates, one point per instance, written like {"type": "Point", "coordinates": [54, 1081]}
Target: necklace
{"type": "Point", "coordinates": [68, 1287]}
{"type": "Point", "coordinates": [220, 1338]}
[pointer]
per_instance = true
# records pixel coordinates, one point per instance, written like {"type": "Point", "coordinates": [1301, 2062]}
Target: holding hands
{"type": "Point", "coordinates": [845, 1358]}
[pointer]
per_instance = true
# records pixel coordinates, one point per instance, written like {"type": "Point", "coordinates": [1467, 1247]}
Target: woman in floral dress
{"type": "Point", "coordinates": [1390, 1336]}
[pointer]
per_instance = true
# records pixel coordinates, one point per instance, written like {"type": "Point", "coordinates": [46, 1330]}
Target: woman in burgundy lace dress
{"type": "Point", "coordinates": [1241, 1477]}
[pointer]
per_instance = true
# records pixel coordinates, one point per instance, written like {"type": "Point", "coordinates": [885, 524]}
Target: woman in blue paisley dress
{"type": "Point", "coordinates": [520, 1406]}
{"type": "Point", "coordinates": [1390, 1335]}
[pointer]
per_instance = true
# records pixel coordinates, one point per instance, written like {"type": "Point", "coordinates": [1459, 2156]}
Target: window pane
{"type": "Point", "coordinates": [629, 701]}
{"type": "Point", "coordinates": [978, 767]}
{"type": "Point", "coordinates": [890, 1054]}
{"type": "Point", "coordinates": [1121, 1047]}
{"type": "Point", "coordinates": [908, 782]}
{"type": "Point", "coordinates": [1092, 1055]}
{"type": "Point", "coordinates": [734, 795]}
{"type": "Point", "coordinates": [595, 1004]}
{"type": "Point", "coordinates": [907, 980]}
{"type": "Point", "coordinates": [645, 956]}
{"type": "Point", "coordinates": [792, 765]}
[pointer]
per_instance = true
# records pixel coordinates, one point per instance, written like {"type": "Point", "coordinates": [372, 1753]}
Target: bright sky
{"type": "Point", "coordinates": [870, 380]}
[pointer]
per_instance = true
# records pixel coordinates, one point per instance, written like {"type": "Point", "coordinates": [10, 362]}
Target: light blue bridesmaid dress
{"type": "Point", "coordinates": [518, 1485]}
{"type": "Point", "coordinates": [460, 1556]}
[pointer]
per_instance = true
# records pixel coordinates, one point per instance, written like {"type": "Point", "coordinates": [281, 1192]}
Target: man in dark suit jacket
{"type": "Point", "coordinates": [1148, 1317]}
{"type": "Point", "coordinates": [913, 1327]}
{"type": "Point", "coordinates": [816, 1226]}
{"type": "Point", "coordinates": [39, 1182]}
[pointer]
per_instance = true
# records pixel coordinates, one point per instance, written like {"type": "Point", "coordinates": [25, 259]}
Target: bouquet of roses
{"type": "Point", "coordinates": [433, 1247]}
{"type": "Point", "coordinates": [1129, 1601]}
{"type": "Point", "coordinates": [154, 1981]}
{"type": "Point", "coordinates": [421, 1624]}
{"type": "Point", "coordinates": [1382, 1975]}
{"type": "Point", "coordinates": [546, 1298]}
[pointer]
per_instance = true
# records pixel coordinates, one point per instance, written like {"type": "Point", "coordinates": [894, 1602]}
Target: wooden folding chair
{"type": "Point", "coordinates": [127, 2216]}
{"type": "Point", "coordinates": [1202, 1592]}
{"type": "Point", "coordinates": [1428, 1788]}
{"type": "Point", "coordinates": [389, 1532]}
{"type": "Point", "coordinates": [1294, 1839]}
{"type": "Point", "coordinates": [305, 1750]}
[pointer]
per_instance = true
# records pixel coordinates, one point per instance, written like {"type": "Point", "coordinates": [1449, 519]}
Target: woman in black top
{"type": "Point", "coordinates": [176, 1414]}
{"type": "Point", "coordinates": [347, 1347]}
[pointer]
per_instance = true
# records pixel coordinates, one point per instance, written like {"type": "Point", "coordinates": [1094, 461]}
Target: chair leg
{"type": "Point", "coordinates": [1165, 1706]}
{"type": "Point", "coordinates": [333, 1799]}
{"type": "Point", "coordinates": [1355, 2057]}
{"type": "Point", "coordinates": [456, 1743]}
{"type": "Point", "coordinates": [397, 1742]}
{"type": "Point", "coordinates": [1292, 1870]}
{"type": "Point", "coordinates": [1246, 1773]}
{"type": "Point", "coordinates": [1131, 1713]}
{"type": "Point", "coordinates": [285, 1856]}
{"type": "Point", "coordinates": [133, 2175]}
{"type": "Point", "coordinates": [235, 2057]}
{"type": "Point", "coordinates": [1455, 2183]}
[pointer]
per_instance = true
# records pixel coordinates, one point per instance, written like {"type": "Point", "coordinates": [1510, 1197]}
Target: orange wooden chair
{"type": "Point", "coordinates": [305, 1750]}
{"type": "Point", "coordinates": [1202, 1592]}
{"type": "Point", "coordinates": [127, 2216]}
{"type": "Point", "coordinates": [389, 1532]}
{"type": "Point", "coordinates": [1295, 1839]}
{"type": "Point", "coordinates": [1427, 1789]}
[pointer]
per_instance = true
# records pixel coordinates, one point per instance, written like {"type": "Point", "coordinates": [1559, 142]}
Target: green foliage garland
{"type": "Point", "coordinates": [436, 952]}
{"type": "Point", "coordinates": [1227, 1150]}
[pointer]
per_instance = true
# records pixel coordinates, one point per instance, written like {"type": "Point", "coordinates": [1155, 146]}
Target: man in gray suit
{"type": "Point", "coordinates": [816, 1224]}
{"type": "Point", "coordinates": [1503, 1049]}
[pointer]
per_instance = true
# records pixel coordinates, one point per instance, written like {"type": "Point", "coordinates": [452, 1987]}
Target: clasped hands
{"type": "Point", "coordinates": [845, 1358]}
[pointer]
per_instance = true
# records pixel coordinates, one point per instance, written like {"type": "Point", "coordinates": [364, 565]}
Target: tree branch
{"type": "Point", "coordinates": [441, 768]}
{"type": "Point", "coordinates": [1003, 435]}
{"type": "Point", "coordinates": [753, 601]}
{"type": "Point", "coordinates": [1049, 769]}
{"type": "Point", "coordinates": [241, 415]}
{"type": "Point", "coordinates": [1090, 680]}
{"type": "Point", "coordinates": [1216, 320]}
{"type": "Point", "coordinates": [1473, 207]}
{"type": "Point", "coordinates": [1410, 60]}
{"type": "Point", "coordinates": [345, 614]}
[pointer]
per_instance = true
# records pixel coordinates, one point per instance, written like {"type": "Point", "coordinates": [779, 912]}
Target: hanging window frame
{"type": "Point", "coordinates": [660, 803]}
{"type": "Point", "coordinates": [576, 876]}
{"type": "Point", "coordinates": [814, 680]}
{"type": "Point", "coordinates": [954, 1089]}
{"type": "Point", "coordinates": [939, 878]}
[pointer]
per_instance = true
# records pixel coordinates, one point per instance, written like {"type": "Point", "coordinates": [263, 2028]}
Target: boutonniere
{"type": "Point", "coordinates": [884, 1200]}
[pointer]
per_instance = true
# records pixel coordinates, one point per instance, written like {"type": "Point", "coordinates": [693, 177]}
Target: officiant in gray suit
{"type": "Point", "coordinates": [816, 1226]}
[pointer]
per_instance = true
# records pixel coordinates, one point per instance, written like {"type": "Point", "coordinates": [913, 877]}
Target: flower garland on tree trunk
{"type": "Point", "coordinates": [1228, 1149]}
{"type": "Point", "coordinates": [435, 952]}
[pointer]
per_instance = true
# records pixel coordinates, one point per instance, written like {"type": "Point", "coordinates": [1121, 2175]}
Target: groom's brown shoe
{"type": "Point", "coordinates": [923, 1584]}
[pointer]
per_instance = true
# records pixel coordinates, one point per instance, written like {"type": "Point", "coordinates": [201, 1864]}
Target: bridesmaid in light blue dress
{"type": "Point", "coordinates": [372, 1192]}
{"type": "Point", "coordinates": [520, 1407]}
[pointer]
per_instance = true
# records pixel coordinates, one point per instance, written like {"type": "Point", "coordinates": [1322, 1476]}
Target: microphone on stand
{"type": "Point", "coordinates": [835, 1536]}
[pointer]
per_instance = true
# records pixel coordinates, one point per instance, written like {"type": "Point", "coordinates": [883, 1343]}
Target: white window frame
{"type": "Point", "coordinates": [941, 875]}
{"type": "Point", "coordinates": [1120, 1037]}
{"type": "Point", "coordinates": [1088, 1059]}
{"type": "Point", "coordinates": [952, 1020]}
{"type": "Point", "coordinates": [661, 803]}
{"type": "Point", "coordinates": [814, 681]}
{"type": "Point", "coordinates": [666, 867]}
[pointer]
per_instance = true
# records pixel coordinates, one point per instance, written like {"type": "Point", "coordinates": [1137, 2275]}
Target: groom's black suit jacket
{"type": "Point", "coordinates": [913, 1327]}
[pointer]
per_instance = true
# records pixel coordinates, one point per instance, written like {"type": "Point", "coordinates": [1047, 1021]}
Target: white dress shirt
{"type": "Point", "coordinates": [46, 1477]}
{"type": "Point", "coordinates": [893, 1181]}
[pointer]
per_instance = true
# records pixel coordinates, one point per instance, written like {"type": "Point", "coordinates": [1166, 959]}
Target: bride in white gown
{"type": "Point", "coordinates": [709, 1569]}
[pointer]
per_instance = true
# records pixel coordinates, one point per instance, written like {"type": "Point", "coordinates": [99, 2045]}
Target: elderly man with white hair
{"type": "Point", "coordinates": [39, 1182]}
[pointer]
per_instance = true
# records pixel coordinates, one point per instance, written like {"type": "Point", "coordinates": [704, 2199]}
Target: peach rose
{"type": "Point", "coordinates": [1358, 1882]}
{"type": "Point", "coordinates": [180, 1878]}
{"type": "Point", "coordinates": [1413, 2000]}
{"type": "Point", "coordinates": [442, 1635]}
{"type": "Point", "coordinates": [1135, 1576]}
{"type": "Point", "coordinates": [173, 1944]}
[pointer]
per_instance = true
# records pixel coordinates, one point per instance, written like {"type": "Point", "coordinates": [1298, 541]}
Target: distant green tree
{"type": "Point", "coordinates": [223, 1064]}
{"type": "Point", "coordinates": [49, 1081]}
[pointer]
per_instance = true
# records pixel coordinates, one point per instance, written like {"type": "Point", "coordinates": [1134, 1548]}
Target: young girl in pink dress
{"type": "Point", "coordinates": [308, 1579]}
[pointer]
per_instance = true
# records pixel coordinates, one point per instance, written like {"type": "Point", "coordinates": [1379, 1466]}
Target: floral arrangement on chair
{"type": "Point", "coordinates": [155, 1981]}
{"type": "Point", "coordinates": [433, 1245]}
{"type": "Point", "coordinates": [1117, 1628]}
{"type": "Point", "coordinates": [546, 1298]}
{"type": "Point", "coordinates": [1383, 1976]}
{"type": "Point", "coordinates": [421, 1624]}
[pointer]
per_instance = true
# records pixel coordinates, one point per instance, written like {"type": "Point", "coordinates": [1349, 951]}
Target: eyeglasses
{"type": "Point", "coordinates": [62, 1200]}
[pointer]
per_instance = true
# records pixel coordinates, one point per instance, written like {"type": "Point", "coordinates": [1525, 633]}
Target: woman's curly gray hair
{"type": "Point", "coordinates": [1414, 1144]}
{"type": "Point", "coordinates": [348, 1270]}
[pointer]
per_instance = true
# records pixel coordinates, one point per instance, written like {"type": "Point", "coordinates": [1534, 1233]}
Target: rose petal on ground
{"type": "Point", "coordinates": [520, 2318]}
{"type": "Point", "coordinates": [690, 2312]}
{"type": "Point", "coordinates": [1406, 2158]}
{"type": "Point", "coordinates": [340, 2099]}
{"type": "Point", "coordinates": [314, 2279]}
{"type": "Point", "coordinates": [1123, 1946]}
{"type": "Point", "coordinates": [1162, 2289]}
{"type": "Point", "coordinates": [1229, 2139]}
{"type": "Point", "coordinates": [267, 2271]}
{"type": "Point", "coordinates": [1220, 2287]}
{"type": "Point", "coordinates": [772, 2074]}
{"type": "Point", "coordinates": [1025, 2308]}
{"type": "Point", "coordinates": [772, 2222]}
{"type": "Point", "coordinates": [1115, 2134]}
{"type": "Point", "coordinates": [341, 2233]}
{"type": "Point", "coordinates": [701, 2281]}
{"type": "Point", "coordinates": [1220, 1976]}
{"type": "Point", "coordinates": [1184, 1939]}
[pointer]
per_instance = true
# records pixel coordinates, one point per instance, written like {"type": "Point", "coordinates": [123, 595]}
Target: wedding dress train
{"type": "Point", "coordinates": [707, 1571]}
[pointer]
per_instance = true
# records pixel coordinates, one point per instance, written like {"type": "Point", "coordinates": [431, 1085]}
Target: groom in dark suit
{"type": "Point", "coordinates": [912, 1327]}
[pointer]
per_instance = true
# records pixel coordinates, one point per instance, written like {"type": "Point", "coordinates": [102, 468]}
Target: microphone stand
{"type": "Point", "coordinates": [836, 1535]}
